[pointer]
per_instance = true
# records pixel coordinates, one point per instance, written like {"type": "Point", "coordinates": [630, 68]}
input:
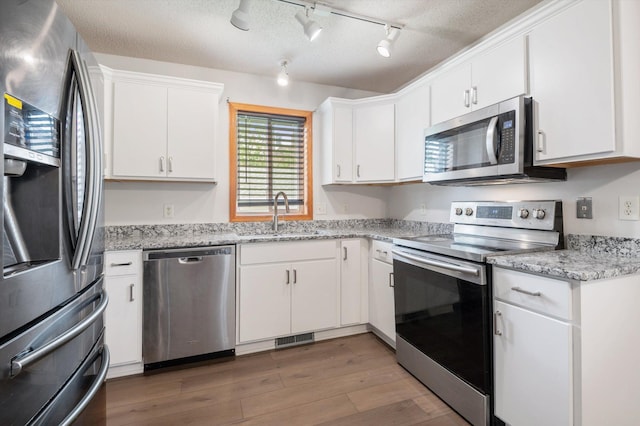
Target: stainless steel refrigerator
{"type": "Point", "coordinates": [53, 360]}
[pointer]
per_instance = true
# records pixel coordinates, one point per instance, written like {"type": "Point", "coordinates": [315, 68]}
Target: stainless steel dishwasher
{"type": "Point", "coordinates": [189, 305]}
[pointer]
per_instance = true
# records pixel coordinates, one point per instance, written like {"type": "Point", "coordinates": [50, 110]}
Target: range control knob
{"type": "Point", "coordinates": [523, 213]}
{"type": "Point", "coordinates": [468, 211]}
{"type": "Point", "coordinates": [539, 213]}
{"type": "Point", "coordinates": [458, 211]}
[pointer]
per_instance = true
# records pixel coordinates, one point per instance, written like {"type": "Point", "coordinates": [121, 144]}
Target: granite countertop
{"type": "Point", "coordinates": [587, 258]}
{"type": "Point", "coordinates": [200, 235]}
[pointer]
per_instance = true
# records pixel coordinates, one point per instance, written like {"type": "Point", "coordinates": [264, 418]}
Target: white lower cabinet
{"type": "Point", "coordinates": [533, 367]}
{"type": "Point", "coordinates": [123, 317]}
{"type": "Point", "coordinates": [381, 299]}
{"type": "Point", "coordinates": [287, 288]}
{"type": "Point", "coordinates": [353, 291]}
{"type": "Point", "coordinates": [565, 351]}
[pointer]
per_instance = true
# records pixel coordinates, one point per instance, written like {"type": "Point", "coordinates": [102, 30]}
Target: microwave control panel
{"type": "Point", "coordinates": [508, 127]}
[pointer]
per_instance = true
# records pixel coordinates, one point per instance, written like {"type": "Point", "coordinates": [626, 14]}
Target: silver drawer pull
{"type": "Point", "coordinates": [191, 259]}
{"type": "Point", "coordinates": [131, 299]}
{"type": "Point", "coordinates": [114, 265]}
{"type": "Point", "coordinates": [530, 293]}
{"type": "Point", "coordinates": [495, 323]}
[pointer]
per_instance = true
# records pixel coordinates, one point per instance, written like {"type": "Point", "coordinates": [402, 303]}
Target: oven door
{"type": "Point", "coordinates": [442, 309]}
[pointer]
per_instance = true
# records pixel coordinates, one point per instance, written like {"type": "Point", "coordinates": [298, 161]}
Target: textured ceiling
{"type": "Point", "coordinates": [198, 32]}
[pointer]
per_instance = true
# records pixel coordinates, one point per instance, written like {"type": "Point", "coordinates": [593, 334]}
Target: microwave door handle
{"type": "Point", "coordinates": [491, 142]}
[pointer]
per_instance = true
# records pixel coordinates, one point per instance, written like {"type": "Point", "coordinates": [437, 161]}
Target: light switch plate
{"type": "Point", "coordinates": [584, 208]}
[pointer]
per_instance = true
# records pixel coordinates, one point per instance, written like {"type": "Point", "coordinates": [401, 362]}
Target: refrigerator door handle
{"type": "Point", "coordinates": [103, 352]}
{"type": "Point", "coordinates": [93, 181]}
{"type": "Point", "coordinates": [23, 359]}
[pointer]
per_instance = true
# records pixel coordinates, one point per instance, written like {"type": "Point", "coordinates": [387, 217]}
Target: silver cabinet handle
{"type": "Point", "coordinates": [131, 299]}
{"type": "Point", "coordinates": [295, 276]}
{"type": "Point", "coordinates": [288, 277]}
{"type": "Point", "coordinates": [466, 99]}
{"type": "Point", "coordinates": [22, 360]}
{"type": "Point", "coordinates": [496, 314]}
{"type": "Point", "coordinates": [344, 257]}
{"type": "Point", "coordinates": [474, 95]}
{"type": "Point", "coordinates": [358, 171]}
{"type": "Point", "coordinates": [529, 293]}
{"type": "Point", "coordinates": [115, 265]}
{"type": "Point", "coordinates": [162, 163]}
{"type": "Point", "coordinates": [391, 280]}
{"type": "Point", "coordinates": [338, 167]}
{"type": "Point", "coordinates": [170, 164]}
{"type": "Point", "coordinates": [540, 141]}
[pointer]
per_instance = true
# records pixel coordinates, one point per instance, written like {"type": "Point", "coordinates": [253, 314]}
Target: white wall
{"type": "Point", "coordinates": [603, 183]}
{"type": "Point", "coordinates": [142, 202]}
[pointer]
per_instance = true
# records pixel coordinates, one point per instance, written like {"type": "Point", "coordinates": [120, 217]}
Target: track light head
{"type": "Point", "coordinates": [311, 27]}
{"type": "Point", "coordinates": [385, 46]}
{"type": "Point", "coordinates": [240, 17]}
{"type": "Point", "coordinates": [283, 75]}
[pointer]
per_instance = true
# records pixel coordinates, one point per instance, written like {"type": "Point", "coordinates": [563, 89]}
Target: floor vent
{"type": "Point", "coordinates": [299, 339]}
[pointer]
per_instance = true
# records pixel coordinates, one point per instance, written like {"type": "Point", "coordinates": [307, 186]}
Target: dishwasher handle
{"type": "Point", "coordinates": [191, 259]}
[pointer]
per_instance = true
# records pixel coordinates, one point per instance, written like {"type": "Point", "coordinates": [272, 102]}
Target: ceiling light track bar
{"type": "Point", "coordinates": [343, 13]}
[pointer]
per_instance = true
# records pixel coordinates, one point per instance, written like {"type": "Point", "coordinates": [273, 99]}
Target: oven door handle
{"type": "Point", "coordinates": [432, 262]}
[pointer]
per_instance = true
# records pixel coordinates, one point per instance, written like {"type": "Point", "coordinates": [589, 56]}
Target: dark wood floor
{"type": "Point", "coordinates": [348, 381]}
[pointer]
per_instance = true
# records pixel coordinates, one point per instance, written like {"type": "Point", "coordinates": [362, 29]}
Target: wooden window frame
{"type": "Point", "coordinates": [234, 216]}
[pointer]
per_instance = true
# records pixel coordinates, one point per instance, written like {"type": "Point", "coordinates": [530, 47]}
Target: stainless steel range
{"type": "Point", "coordinates": [443, 296]}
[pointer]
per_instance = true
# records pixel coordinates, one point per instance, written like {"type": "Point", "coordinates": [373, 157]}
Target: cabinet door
{"type": "Point", "coordinates": [350, 283]}
{"type": "Point", "coordinates": [314, 295]}
{"type": "Point", "coordinates": [533, 368]}
{"type": "Point", "coordinates": [381, 306]}
{"type": "Point", "coordinates": [139, 130]}
{"type": "Point", "coordinates": [264, 302]}
{"type": "Point", "coordinates": [451, 94]}
{"type": "Point", "coordinates": [192, 117]}
{"type": "Point", "coordinates": [123, 319]}
{"type": "Point", "coordinates": [342, 144]}
{"type": "Point", "coordinates": [375, 143]}
{"type": "Point", "coordinates": [571, 82]}
{"type": "Point", "coordinates": [412, 117]}
{"type": "Point", "coordinates": [499, 74]}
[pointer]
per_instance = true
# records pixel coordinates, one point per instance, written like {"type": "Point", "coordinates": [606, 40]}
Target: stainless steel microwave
{"type": "Point", "coordinates": [492, 145]}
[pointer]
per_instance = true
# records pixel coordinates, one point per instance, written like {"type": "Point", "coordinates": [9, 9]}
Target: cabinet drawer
{"type": "Point", "coordinates": [287, 251]}
{"type": "Point", "coordinates": [382, 251]}
{"type": "Point", "coordinates": [122, 262]}
{"type": "Point", "coordinates": [544, 295]}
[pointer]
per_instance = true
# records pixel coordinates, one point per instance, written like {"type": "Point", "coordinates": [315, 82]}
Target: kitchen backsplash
{"type": "Point", "coordinates": [259, 228]}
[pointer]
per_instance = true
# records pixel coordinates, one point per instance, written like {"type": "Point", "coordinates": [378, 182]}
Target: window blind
{"type": "Point", "coordinates": [270, 158]}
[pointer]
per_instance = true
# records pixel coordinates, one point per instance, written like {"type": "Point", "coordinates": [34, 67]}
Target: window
{"type": "Point", "coordinates": [270, 150]}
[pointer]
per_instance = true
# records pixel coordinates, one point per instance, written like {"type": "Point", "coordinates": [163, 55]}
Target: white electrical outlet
{"type": "Point", "coordinates": [629, 208]}
{"type": "Point", "coordinates": [423, 209]}
{"type": "Point", "coordinates": [321, 208]}
{"type": "Point", "coordinates": [168, 211]}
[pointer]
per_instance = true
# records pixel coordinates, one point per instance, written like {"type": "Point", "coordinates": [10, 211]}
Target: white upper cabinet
{"type": "Point", "coordinates": [487, 78]}
{"type": "Point", "coordinates": [412, 117]}
{"type": "Point", "coordinates": [572, 82]}
{"type": "Point", "coordinates": [582, 61]}
{"type": "Point", "coordinates": [357, 140]}
{"type": "Point", "coordinates": [336, 136]}
{"type": "Point", "coordinates": [374, 139]}
{"type": "Point", "coordinates": [160, 128]}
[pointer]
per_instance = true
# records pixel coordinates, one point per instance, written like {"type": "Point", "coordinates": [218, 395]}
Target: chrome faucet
{"type": "Point", "coordinates": [275, 209]}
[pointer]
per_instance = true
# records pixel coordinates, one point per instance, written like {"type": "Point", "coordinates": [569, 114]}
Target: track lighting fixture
{"type": "Point", "coordinates": [311, 27]}
{"type": "Point", "coordinates": [385, 46]}
{"type": "Point", "coordinates": [240, 16]}
{"type": "Point", "coordinates": [283, 75]}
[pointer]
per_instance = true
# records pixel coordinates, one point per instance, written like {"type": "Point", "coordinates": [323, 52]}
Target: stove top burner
{"type": "Point", "coordinates": [488, 228]}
